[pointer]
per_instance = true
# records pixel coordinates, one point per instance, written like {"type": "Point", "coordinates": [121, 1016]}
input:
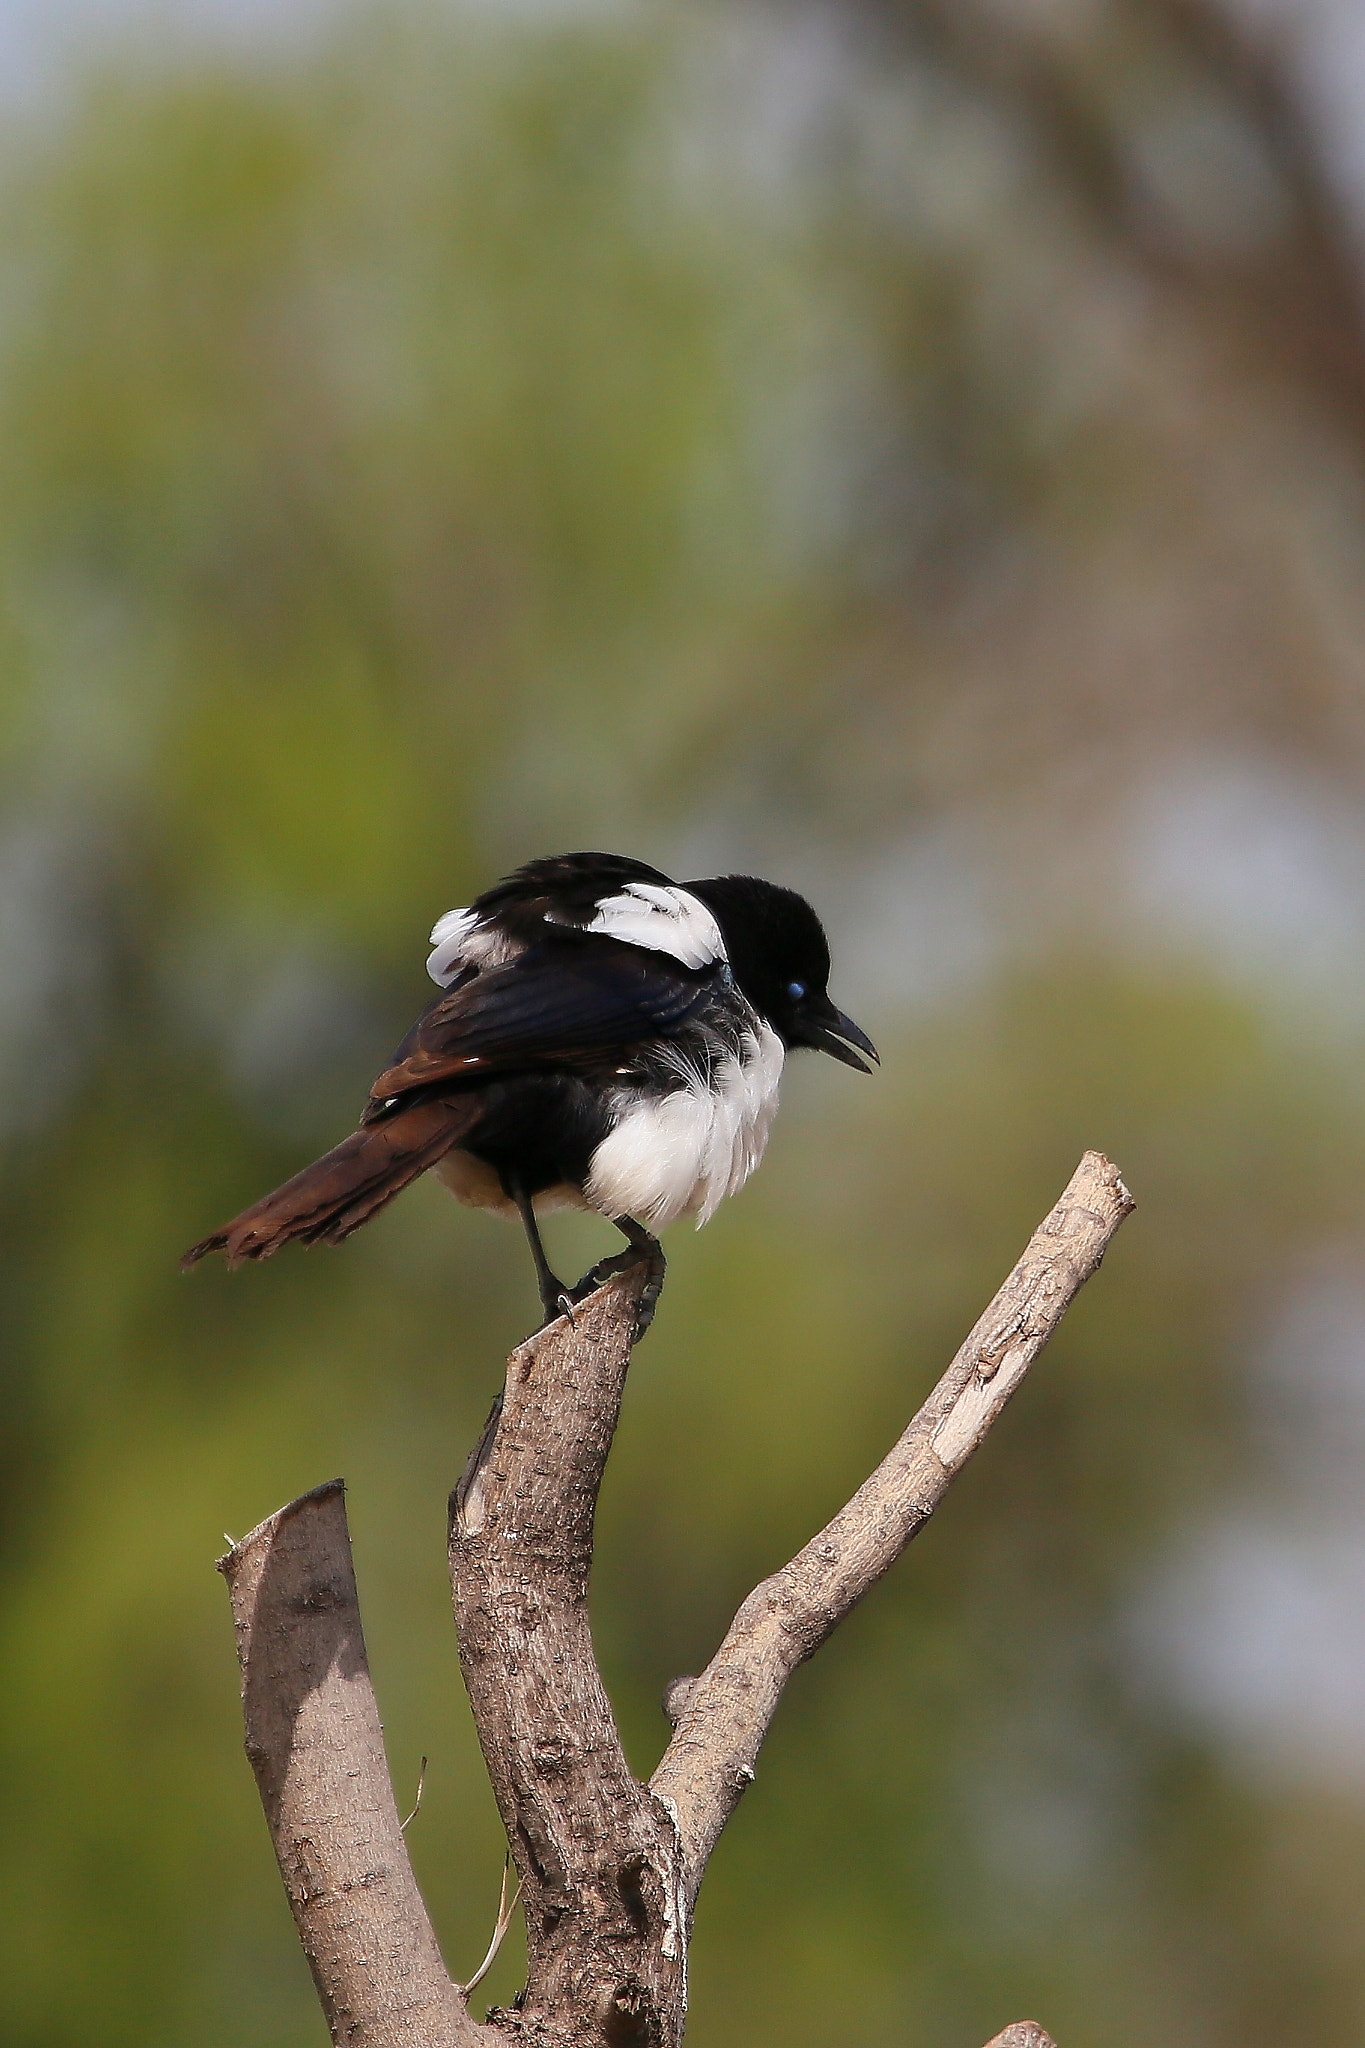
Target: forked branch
{"type": "Point", "coordinates": [610, 1867]}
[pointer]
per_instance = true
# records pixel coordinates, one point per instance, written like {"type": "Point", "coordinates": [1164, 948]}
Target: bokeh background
{"type": "Point", "coordinates": [914, 449]}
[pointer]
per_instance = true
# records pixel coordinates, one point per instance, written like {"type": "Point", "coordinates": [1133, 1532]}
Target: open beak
{"type": "Point", "coordinates": [828, 1033]}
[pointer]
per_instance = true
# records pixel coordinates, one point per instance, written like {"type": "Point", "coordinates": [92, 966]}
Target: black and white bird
{"type": "Point", "coordinates": [605, 1039]}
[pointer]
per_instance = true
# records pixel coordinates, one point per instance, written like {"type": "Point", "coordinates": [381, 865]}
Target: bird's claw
{"type": "Point", "coordinates": [605, 1269]}
{"type": "Point", "coordinates": [622, 1262]}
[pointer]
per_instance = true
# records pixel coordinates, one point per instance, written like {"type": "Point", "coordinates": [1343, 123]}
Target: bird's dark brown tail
{"type": "Point", "coordinates": [343, 1189]}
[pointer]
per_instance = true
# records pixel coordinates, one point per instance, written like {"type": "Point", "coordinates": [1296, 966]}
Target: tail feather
{"type": "Point", "coordinates": [348, 1185]}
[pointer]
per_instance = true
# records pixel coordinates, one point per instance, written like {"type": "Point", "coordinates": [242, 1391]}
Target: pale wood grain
{"type": "Point", "coordinates": [711, 1758]}
{"type": "Point", "coordinates": [315, 1743]}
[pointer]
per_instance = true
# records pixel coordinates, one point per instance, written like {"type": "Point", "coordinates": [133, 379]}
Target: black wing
{"type": "Point", "coordinates": [571, 1003]}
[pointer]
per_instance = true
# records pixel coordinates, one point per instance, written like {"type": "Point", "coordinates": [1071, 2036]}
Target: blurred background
{"type": "Point", "coordinates": [913, 449]}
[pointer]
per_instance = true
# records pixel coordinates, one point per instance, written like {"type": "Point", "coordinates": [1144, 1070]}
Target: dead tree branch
{"type": "Point", "coordinates": [316, 1746]}
{"type": "Point", "coordinates": [597, 1855]}
{"type": "Point", "coordinates": [610, 1868]}
{"type": "Point", "coordinates": [711, 1758]}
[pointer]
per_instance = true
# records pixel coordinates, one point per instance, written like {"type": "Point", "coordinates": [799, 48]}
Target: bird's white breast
{"type": "Point", "coordinates": [680, 1154]}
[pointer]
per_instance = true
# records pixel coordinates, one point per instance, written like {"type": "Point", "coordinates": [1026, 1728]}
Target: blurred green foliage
{"type": "Point", "coordinates": [460, 441]}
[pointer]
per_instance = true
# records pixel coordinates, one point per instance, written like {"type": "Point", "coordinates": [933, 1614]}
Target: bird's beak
{"type": "Point", "coordinates": [827, 1033]}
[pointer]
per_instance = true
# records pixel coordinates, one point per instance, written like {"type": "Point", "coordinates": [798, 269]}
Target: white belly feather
{"type": "Point", "coordinates": [682, 1154]}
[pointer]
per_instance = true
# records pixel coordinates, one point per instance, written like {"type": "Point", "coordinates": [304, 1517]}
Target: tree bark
{"type": "Point", "coordinates": [596, 1852]}
{"type": "Point", "coordinates": [711, 1758]}
{"type": "Point", "coordinates": [610, 1868]}
{"type": "Point", "coordinates": [316, 1746]}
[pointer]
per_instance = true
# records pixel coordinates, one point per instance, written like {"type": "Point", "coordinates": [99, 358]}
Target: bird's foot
{"type": "Point", "coordinates": [560, 1305]}
{"type": "Point", "coordinates": [621, 1262]}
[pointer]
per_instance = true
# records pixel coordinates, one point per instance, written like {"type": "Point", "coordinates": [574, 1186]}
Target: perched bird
{"type": "Point", "coordinates": [605, 1039]}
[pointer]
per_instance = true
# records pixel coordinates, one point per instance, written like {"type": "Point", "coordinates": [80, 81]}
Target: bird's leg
{"type": "Point", "coordinates": [641, 1243]}
{"type": "Point", "coordinates": [637, 1237]}
{"type": "Point", "coordinates": [554, 1296]}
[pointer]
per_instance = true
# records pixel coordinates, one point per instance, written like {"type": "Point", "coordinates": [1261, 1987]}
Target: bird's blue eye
{"type": "Point", "coordinates": [796, 989]}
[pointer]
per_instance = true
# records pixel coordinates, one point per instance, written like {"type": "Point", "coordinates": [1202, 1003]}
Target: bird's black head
{"type": "Point", "coordinates": [780, 957]}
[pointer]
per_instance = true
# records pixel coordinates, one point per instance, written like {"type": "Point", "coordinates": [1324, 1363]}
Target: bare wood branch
{"type": "Point", "coordinates": [316, 1746]}
{"type": "Point", "coordinates": [711, 1758]}
{"type": "Point", "coordinates": [609, 1867]}
{"type": "Point", "coordinates": [506, 1908]}
{"type": "Point", "coordinates": [597, 1854]}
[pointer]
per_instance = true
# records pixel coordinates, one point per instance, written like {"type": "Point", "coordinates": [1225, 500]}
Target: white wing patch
{"type": "Point", "coordinates": [448, 936]}
{"type": "Point", "coordinates": [458, 941]}
{"type": "Point", "coordinates": [644, 914]}
{"type": "Point", "coordinates": [666, 920]}
{"type": "Point", "coordinates": [682, 1154]}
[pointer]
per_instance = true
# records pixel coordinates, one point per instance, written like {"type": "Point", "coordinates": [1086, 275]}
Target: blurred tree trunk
{"type": "Point", "coordinates": [1117, 97]}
